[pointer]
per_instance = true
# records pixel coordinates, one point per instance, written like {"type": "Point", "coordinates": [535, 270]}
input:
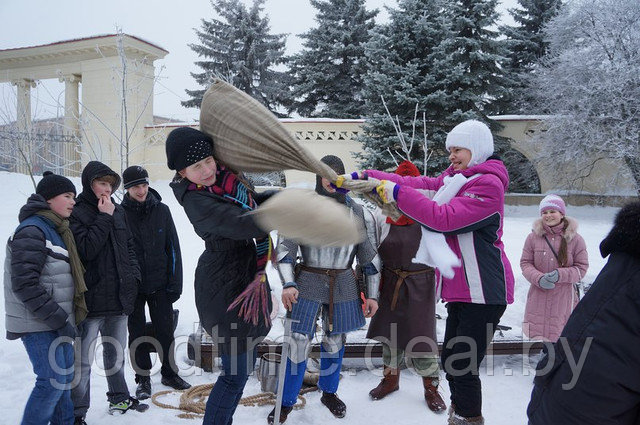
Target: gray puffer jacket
{"type": "Point", "coordinates": [38, 284]}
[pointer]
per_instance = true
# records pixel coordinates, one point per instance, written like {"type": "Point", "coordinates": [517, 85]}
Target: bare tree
{"type": "Point", "coordinates": [590, 85]}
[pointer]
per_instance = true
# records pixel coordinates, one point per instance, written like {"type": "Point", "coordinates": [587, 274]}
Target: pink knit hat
{"type": "Point", "coordinates": [552, 202]}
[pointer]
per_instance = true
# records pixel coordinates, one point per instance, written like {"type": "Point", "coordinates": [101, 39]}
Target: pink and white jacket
{"type": "Point", "coordinates": [548, 310]}
{"type": "Point", "coordinates": [472, 222]}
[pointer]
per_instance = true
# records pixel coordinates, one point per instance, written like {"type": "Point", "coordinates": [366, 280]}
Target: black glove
{"type": "Point", "coordinates": [173, 296]}
{"type": "Point", "coordinates": [68, 330]}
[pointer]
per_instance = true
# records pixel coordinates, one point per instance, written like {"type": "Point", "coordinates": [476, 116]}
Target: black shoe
{"type": "Point", "coordinates": [79, 420]}
{"type": "Point", "coordinates": [334, 404]}
{"type": "Point", "coordinates": [143, 391]}
{"type": "Point", "coordinates": [175, 382]}
{"type": "Point", "coordinates": [284, 413]}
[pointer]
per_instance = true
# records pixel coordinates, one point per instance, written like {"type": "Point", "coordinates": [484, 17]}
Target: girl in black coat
{"type": "Point", "coordinates": [231, 267]}
{"type": "Point", "coordinates": [604, 333]}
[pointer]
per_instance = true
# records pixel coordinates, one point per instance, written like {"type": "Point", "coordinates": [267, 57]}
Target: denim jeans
{"type": "Point", "coordinates": [113, 330]}
{"type": "Point", "coordinates": [50, 400]}
{"type": "Point", "coordinates": [227, 391]}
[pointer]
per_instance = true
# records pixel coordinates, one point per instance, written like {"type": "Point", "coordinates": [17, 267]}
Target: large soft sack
{"type": "Point", "coordinates": [309, 219]}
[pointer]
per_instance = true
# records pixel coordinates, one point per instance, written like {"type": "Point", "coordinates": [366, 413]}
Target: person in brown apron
{"type": "Point", "coordinates": [405, 322]}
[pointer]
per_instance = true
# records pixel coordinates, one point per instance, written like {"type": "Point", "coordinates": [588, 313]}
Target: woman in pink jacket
{"type": "Point", "coordinates": [472, 221]}
{"type": "Point", "coordinates": [554, 259]}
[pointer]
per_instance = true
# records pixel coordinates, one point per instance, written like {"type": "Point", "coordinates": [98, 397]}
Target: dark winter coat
{"type": "Point", "coordinates": [105, 246]}
{"type": "Point", "coordinates": [607, 390]}
{"type": "Point", "coordinates": [38, 285]}
{"type": "Point", "coordinates": [227, 265]}
{"type": "Point", "coordinates": [156, 245]}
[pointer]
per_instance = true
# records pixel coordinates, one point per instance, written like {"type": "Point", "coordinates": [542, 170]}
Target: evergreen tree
{"type": "Point", "coordinates": [401, 59]}
{"type": "Point", "coordinates": [527, 46]}
{"type": "Point", "coordinates": [328, 73]}
{"type": "Point", "coordinates": [239, 49]}
{"type": "Point", "coordinates": [476, 58]}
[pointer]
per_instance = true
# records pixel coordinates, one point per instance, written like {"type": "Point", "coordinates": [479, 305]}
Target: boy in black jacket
{"type": "Point", "coordinates": [112, 275]}
{"type": "Point", "coordinates": [158, 252]}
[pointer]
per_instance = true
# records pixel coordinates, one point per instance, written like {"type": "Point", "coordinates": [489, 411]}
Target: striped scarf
{"type": "Point", "coordinates": [254, 299]}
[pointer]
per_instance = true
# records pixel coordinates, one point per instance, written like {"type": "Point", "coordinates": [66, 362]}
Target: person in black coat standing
{"type": "Point", "coordinates": [216, 201]}
{"type": "Point", "coordinates": [158, 252]}
{"type": "Point", "coordinates": [604, 333]}
{"type": "Point", "coordinates": [106, 248]}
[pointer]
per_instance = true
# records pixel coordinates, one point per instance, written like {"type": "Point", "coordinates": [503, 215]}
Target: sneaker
{"type": "Point", "coordinates": [143, 391]}
{"type": "Point", "coordinates": [79, 420]}
{"type": "Point", "coordinates": [126, 405]}
{"type": "Point", "coordinates": [175, 382]}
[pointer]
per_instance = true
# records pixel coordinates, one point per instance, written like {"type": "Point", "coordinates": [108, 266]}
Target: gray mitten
{"type": "Point", "coordinates": [548, 280]}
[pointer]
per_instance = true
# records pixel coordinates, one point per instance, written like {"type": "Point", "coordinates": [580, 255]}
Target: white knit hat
{"type": "Point", "coordinates": [475, 136]}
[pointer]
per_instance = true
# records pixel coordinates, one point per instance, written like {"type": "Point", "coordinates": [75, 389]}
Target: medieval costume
{"type": "Point", "coordinates": [327, 286]}
{"type": "Point", "coordinates": [405, 322]}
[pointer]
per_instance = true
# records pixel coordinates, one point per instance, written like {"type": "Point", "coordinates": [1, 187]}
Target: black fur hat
{"type": "Point", "coordinates": [625, 235]}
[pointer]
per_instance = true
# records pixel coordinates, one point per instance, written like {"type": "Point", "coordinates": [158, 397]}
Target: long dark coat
{"type": "Point", "coordinates": [227, 265]}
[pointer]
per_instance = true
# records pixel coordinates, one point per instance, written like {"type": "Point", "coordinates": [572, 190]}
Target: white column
{"type": "Point", "coordinates": [23, 109]}
{"type": "Point", "coordinates": [71, 103]}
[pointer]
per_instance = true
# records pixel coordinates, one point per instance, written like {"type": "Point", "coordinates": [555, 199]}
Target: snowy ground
{"type": "Point", "coordinates": [506, 382]}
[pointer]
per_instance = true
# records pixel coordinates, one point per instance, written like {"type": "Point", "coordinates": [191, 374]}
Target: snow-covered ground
{"type": "Point", "coordinates": [506, 382]}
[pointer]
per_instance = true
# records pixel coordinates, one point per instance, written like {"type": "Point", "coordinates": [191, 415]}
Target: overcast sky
{"type": "Point", "coordinates": [168, 24]}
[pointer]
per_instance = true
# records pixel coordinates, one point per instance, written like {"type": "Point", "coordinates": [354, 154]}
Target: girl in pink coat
{"type": "Point", "coordinates": [554, 259]}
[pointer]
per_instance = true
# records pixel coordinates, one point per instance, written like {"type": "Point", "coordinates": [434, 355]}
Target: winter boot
{"type": "Point", "coordinates": [284, 413]}
{"type": "Point", "coordinates": [334, 404]}
{"type": "Point", "coordinates": [388, 384]}
{"type": "Point", "coordinates": [432, 396]}
{"type": "Point", "coordinates": [79, 420]}
{"type": "Point", "coordinates": [175, 382]}
{"type": "Point", "coordinates": [143, 391]}
{"type": "Point", "coordinates": [126, 405]}
{"type": "Point", "coordinates": [456, 419]}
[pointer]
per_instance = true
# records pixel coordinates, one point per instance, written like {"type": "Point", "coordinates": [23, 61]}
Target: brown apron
{"type": "Point", "coordinates": [406, 315]}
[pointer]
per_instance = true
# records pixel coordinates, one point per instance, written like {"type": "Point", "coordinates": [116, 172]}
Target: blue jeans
{"type": "Point", "coordinates": [50, 400]}
{"type": "Point", "coordinates": [227, 391]}
{"type": "Point", "coordinates": [113, 330]}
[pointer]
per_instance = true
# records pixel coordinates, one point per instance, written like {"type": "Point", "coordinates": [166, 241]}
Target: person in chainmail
{"type": "Point", "coordinates": [320, 282]}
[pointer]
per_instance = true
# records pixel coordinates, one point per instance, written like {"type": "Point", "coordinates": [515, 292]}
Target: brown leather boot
{"type": "Point", "coordinates": [388, 384]}
{"type": "Point", "coordinates": [432, 396]}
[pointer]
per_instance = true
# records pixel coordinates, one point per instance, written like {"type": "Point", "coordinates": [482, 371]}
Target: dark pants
{"type": "Point", "coordinates": [227, 391]}
{"type": "Point", "coordinates": [468, 332]}
{"type": "Point", "coordinates": [161, 312]}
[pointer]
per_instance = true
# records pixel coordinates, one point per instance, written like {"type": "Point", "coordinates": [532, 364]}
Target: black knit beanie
{"type": "Point", "coordinates": [53, 185]}
{"type": "Point", "coordinates": [134, 175]}
{"type": "Point", "coordinates": [186, 146]}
